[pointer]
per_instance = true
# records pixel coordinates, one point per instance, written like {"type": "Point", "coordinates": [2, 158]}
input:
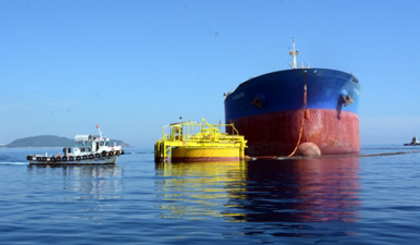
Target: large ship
{"type": "Point", "coordinates": [278, 111]}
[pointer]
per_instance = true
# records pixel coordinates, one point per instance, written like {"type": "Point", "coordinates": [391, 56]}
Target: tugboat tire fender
{"type": "Point", "coordinates": [111, 153]}
{"type": "Point", "coordinates": [97, 155]}
{"type": "Point", "coordinates": [84, 157]}
{"type": "Point", "coordinates": [58, 159]}
{"type": "Point", "coordinates": [78, 158]}
{"type": "Point", "coordinates": [71, 159]}
{"type": "Point", "coordinates": [90, 156]}
{"type": "Point", "coordinates": [104, 153]}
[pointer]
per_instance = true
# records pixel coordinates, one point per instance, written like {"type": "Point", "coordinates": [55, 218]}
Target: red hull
{"type": "Point", "coordinates": [277, 133]}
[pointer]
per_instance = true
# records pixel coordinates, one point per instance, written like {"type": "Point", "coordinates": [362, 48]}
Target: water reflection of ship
{"type": "Point", "coordinates": [197, 190]}
{"type": "Point", "coordinates": [311, 190]}
{"type": "Point", "coordinates": [101, 182]}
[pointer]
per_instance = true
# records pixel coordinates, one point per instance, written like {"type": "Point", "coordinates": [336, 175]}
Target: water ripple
{"type": "Point", "coordinates": [347, 201]}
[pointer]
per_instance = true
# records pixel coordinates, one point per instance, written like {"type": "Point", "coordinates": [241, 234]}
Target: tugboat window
{"type": "Point", "coordinates": [82, 149]}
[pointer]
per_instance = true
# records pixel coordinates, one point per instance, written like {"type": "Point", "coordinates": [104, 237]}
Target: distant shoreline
{"type": "Point", "coordinates": [50, 141]}
{"type": "Point", "coordinates": [47, 146]}
{"type": "Point", "coordinates": [32, 146]}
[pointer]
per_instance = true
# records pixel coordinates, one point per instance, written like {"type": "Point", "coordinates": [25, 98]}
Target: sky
{"type": "Point", "coordinates": [135, 66]}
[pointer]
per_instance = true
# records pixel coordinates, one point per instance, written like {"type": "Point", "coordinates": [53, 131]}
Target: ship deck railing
{"type": "Point", "coordinates": [185, 132]}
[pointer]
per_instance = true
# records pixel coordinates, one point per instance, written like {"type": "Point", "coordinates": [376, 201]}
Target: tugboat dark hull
{"type": "Point", "coordinates": [54, 161]}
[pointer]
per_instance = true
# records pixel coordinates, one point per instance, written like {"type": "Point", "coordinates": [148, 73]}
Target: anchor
{"type": "Point", "coordinates": [347, 100]}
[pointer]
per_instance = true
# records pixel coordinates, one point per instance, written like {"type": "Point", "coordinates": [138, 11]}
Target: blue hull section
{"type": "Point", "coordinates": [283, 91]}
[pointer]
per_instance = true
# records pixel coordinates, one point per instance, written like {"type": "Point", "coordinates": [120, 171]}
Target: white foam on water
{"type": "Point", "coordinates": [14, 163]}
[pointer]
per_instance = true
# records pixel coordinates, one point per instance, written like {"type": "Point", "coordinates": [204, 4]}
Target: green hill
{"type": "Point", "coordinates": [42, 141]}
{"type": "Point", "coordinates": [52, 141]}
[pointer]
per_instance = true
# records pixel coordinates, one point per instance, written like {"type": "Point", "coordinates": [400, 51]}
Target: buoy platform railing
{"type": "Point", "coordinates": [180, 143]}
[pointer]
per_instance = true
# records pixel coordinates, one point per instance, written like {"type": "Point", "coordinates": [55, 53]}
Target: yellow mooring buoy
{"type": "Point", "coordinates": [180, 144]}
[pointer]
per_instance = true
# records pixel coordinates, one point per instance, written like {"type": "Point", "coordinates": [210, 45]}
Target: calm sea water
{"type": "Point", "coordinates": [366, 200]}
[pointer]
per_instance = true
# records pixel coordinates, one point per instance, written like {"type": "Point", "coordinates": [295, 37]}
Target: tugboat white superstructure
{"type": "Point", "coordinates": [88, 150]}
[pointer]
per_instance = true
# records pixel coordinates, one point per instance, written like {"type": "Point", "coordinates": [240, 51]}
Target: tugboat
{"type": "Point", "coordinates": [88, 150]}
{"type": "Point", "coordinates": [414, 141]}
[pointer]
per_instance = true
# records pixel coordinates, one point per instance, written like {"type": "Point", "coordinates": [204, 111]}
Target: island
{"type": "Point", "coordinates": [52, 141]}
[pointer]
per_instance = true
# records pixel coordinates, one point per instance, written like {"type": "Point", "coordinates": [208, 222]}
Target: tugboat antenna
{"type": "Point", "coordinates": [293, 53]}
